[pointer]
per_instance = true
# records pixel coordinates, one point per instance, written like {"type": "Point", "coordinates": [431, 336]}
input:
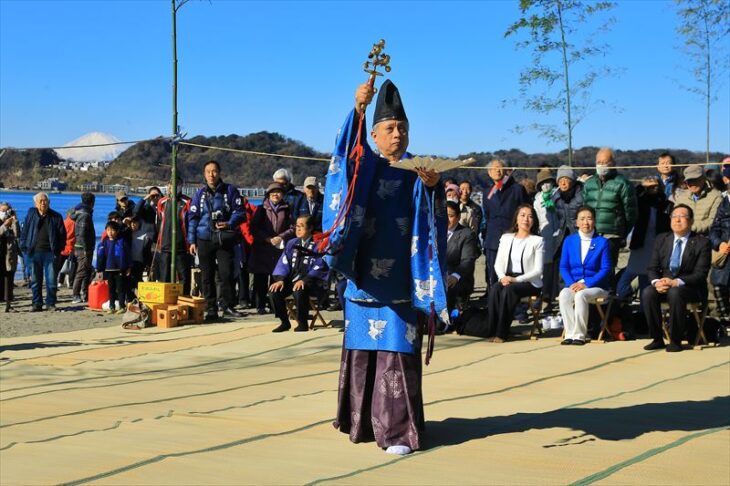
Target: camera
{"type": "Point", "coordinates": [216, 216]}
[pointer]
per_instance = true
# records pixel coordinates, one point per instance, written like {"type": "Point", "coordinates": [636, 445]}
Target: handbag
{"type": "Point", "coordinates": [719, 259]}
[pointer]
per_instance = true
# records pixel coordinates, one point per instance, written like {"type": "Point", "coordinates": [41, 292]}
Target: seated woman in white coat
{"type": "Point", "coordinates": [519, 271]}
{"type": "Point", "coordinates": [585, 265]}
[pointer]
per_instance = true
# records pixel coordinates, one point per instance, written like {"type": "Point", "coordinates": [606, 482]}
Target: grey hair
{"type": "Point", "coordinates": [40, 195]}
{"type": "Point", "coordinates": [282, 174]}
{"type": "Point", "coordinates": [499, 162]}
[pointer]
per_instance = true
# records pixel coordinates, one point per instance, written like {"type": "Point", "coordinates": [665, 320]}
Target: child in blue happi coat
{"type": "Point", "coordinates": [114, 265]}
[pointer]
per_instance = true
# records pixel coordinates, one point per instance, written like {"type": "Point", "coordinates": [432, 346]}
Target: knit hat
{"type": "Point", "coordinates": [565, 171]}
{"type": "Point", "coordinates": [544, 175]}
{"type": "Point", "coordinates": [455, 188]}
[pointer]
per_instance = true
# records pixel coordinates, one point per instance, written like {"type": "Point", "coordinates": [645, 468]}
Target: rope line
{"type": "Point", "coordinates": [588, 167]}
{"type": "Point", "coordinates": [251, 152]}
{"type": "Point", "coordinates": [178, 140]}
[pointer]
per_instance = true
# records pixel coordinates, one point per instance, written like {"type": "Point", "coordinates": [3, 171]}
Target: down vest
{"type": "Point", "coordinates": [614, 201]}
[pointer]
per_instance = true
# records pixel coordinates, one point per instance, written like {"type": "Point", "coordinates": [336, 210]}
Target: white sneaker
{"type": "Point", "coordinates": [399, 450]}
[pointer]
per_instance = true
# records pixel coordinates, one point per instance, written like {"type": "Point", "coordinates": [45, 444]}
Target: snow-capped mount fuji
{"type": "Point", "coordinates": [93, 154]}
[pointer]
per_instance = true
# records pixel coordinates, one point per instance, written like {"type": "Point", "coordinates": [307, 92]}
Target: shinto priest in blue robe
{"type": "Point", "coordinates": [391, 246]}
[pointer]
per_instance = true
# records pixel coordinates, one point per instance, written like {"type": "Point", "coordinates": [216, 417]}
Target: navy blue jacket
{"type": "Point", "coordinates": [499, 211]}
{"type": "Point", "coordinates": [113, 255]}
{"type": "Point", "coordinates": [56, 231]}
{"type": "Point", "coordinates": [297, 202]}
{"type": "Point", "coordinates": [226, 199]}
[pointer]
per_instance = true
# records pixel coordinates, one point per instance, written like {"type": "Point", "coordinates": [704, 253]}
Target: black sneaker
{"type": "Point", "coordinates": [565, 342]}
{"type": "Point", "coordinates": [301, 328]}
{"type": "Point", "coordinates": [36, 308]}
{"type": "Point", "coordinates": [578, 342]}
{"type": "Point", "coordinates": [674, 348]}
{"type": "Point", "coordinates": [655, 344]}
{"type": "Point", "coordinates": [211, 316]}
{"type": "Point", "coordinates": [229, 312]}
{"type": "Point", "coordinates": [261, 311]}
{"type": "Point", "coordinates": [284, 326]}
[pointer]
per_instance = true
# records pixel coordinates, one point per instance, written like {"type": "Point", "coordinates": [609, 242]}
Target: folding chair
{"type": "Point", "coordinates": [599, 303]}
{"type": "Point", "coordinates": [699, 312]}
{"type": "Point", "coordinates": [313, 306]}
{"type": "Point", "coordinates": [534, 305]}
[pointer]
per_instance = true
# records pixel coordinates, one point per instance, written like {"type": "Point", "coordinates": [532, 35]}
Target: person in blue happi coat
{"type": "Point", "coordinates": [391, 247]}
{"type": "Point", "coordinates": [298, 272]}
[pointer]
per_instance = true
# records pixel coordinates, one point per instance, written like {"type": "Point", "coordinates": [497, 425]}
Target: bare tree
{"type": "Point", "coordinates": [704, 25]}
{"type": "Point", "coordinates": [560, 77]}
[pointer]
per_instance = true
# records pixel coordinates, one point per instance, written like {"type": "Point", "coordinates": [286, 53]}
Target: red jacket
{"type": "Point", "coordinates": [70, 236]}
{"type": "Point", "coordinates": [181, 219]}
{"type": "Point", "coordinates": [249, 209]}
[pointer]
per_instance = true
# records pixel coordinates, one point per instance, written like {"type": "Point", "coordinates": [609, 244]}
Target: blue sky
{"type": "Point", "coordinates": [72, 67]}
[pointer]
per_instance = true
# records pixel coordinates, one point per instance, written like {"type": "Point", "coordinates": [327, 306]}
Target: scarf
{"type": "Point", "coordinates": [497, 186]}
{"type": "Point", "coordinates": [547, 201]}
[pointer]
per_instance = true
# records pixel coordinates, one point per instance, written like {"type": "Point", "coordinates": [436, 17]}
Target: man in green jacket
{"type": "Point", "coordinates": [613, 198]}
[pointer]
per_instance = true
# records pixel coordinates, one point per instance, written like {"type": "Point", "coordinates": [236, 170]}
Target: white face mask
{"type": "Point", "coordinates": [602, 170]}
{"type": "Point", "coordinates": [546, 186]}
{"type": "Point", "coordinates": [453, 198]}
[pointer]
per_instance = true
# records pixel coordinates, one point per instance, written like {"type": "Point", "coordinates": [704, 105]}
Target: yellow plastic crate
{"type": "Point", "coordinates": [159, 292]}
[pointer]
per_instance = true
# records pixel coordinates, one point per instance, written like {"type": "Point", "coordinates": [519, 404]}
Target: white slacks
{"type": "Point", "coordinates": [574, 307]}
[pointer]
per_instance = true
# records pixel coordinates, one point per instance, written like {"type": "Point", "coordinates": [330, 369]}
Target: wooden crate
{"type": "Point", "coordinates": [168, 316]}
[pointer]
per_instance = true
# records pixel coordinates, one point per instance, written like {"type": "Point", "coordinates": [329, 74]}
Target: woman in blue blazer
{"type": "Point", "coordinates": [585, 265]}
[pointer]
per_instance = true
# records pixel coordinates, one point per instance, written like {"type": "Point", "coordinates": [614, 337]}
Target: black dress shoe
{"type": "Point", "coordinates": [211, 316]}
{"type": "Point", "coordinates": [578, 342]}
{"type": "Point", "coordinates": [674, 348]}
{"type": "Point", "coordinates": [655, 344]}
{"type": "Point", "coordinates": [566, 341]}
{"type": "Point", "coordinates": [301, 328]}
{"type": "Point", "coordinates": [229, 312]}
{"type": "Point", "coordinates": [284, 326]}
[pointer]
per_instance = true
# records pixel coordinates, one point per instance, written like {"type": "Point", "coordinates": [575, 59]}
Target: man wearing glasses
{"type": "Point", "coordinates": [614, 200]}
{"type": "Point", "coordinates": [678, 272]}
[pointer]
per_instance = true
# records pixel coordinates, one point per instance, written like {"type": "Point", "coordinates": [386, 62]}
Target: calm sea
{"type": "Point", "coordinates": [21, 201]}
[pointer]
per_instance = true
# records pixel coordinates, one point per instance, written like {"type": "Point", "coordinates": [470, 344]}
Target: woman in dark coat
{"type": "Point", "coordinates": [272, 226]}
{"type": "Point", "coordinates": [9, 252]}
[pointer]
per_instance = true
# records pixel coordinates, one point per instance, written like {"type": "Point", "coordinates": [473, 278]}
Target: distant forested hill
{"type": "Point", "coordinates": [150, 161]}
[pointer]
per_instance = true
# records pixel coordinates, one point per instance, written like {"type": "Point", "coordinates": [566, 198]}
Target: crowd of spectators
{"type": "Point", "coordinates": [556, 237]}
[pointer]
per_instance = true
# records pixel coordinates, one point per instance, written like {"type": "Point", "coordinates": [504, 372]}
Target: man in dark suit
{"type": "Point", "coordinates": [500, 201]}
{"type": "Point", "coordinates": [678, 273]}
{"type": "Point", "coordinates": [461, 253]}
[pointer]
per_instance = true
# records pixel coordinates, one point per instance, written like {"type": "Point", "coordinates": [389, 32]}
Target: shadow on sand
{"type": "Point", "coordinates": [595, 423]}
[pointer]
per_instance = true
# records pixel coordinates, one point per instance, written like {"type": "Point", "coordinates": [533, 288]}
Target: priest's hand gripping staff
{"type": "Point", "coordinates": [376, 58]}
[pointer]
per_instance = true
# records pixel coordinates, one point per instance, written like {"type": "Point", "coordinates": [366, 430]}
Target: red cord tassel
{"type": "Point", "coordinates": [356, 154]}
